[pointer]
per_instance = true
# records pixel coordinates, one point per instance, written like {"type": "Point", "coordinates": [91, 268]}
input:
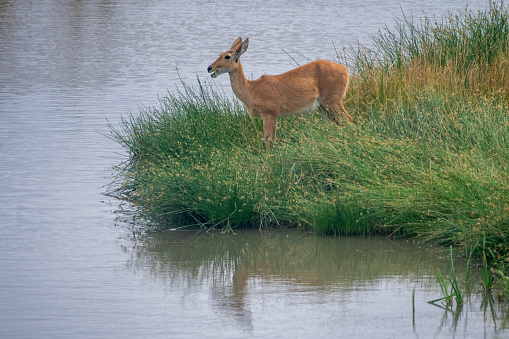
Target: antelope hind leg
{"type": "Point", "coordinates": [345, 113]}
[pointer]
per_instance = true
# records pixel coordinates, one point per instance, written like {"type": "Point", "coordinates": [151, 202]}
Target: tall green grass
{"type": "Point", "coordinates": [428, 155]}
{"type": "Point", "coordinates": [463, 53]}
{"type": "Point", "coordinates": [198, 160]}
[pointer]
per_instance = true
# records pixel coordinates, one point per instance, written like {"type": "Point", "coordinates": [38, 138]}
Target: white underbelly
{"type": "Point", "coordinates": [303, 110]}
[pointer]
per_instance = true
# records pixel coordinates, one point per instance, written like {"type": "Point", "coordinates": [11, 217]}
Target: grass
{"type": "Point", "coordinates": [464, 53]}
{"type": "Point", "coordinates": [427, 157]}
{"type": "Point", "coordinates": [455, 292]}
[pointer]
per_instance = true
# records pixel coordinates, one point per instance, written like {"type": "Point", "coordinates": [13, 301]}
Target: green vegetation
{"type": "Point", "coordinates": [463, 54]}
{"type": "Point", "coordinates": [428, 154]}
{"type": "Point", "coordinates": [455, 290]}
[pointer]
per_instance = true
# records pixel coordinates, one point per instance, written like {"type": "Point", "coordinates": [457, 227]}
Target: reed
{"type": "Point", "coordinates": [487, 276]}
{"type": "Point", "coordinates": [447, 297]}
{"type": "Point", "coordinates": [454, 293]}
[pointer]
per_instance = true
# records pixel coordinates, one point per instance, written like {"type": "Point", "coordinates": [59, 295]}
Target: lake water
{"type": "Point", "coordinates": [70, 269]}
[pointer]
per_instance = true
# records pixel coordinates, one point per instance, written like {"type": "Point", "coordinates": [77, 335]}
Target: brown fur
{"type": "Point", "coordinates": [318, 84]}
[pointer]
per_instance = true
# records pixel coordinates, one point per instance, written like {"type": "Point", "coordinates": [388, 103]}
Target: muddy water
{"type": "Point", "coordinates": [70, 269]}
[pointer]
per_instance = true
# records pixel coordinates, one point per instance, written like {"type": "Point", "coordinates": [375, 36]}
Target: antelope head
{"type": "Point", "coordinates": [229, 61]}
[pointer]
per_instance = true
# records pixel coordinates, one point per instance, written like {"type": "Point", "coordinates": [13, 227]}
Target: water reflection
{"type": "Point", "coordinates": [291, 276]}
{"type": "Point", "coordinates": [292, 256]}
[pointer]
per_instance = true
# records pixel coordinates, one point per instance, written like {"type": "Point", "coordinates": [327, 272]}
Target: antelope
{"type": "Point", "coordinates": [318, 84]}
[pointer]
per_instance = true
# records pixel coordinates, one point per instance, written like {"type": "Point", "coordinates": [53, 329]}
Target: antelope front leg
{"type": "Point", "coordinates": [269, 130]}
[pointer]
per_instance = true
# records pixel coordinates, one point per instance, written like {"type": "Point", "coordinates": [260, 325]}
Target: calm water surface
{"type": "Point", "coordinates": [69, 269]}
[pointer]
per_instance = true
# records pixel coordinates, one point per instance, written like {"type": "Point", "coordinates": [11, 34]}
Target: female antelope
{"type": "Point", "coordinates": [318, 84]}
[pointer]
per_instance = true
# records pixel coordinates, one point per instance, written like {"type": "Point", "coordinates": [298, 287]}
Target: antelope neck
{"type": "Point", "coordinates": [239, 83]}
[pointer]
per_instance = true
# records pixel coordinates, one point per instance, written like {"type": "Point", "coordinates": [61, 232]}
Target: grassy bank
{"type": "Point", "coordinates": [428, 155]}
{"type": "Point", "coordinates": [463, 53]}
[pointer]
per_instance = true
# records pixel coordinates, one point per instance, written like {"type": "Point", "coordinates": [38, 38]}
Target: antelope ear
{"type": "Point", "coordinates": [241, 49]}
{"type": "Point", "coordinates": [236, 44]}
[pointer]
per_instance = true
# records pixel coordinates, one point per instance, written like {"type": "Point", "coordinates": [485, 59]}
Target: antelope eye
{"type": "Point", "coordinates": [227, 57]}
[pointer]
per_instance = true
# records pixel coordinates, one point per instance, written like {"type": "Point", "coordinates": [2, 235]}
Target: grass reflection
{"type": "Point", "coordinates": [281, 254]}
{"type": "Point", "coordinates": [235, 270]}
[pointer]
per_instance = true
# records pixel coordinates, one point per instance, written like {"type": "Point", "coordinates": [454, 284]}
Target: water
{"type": "Point", "coordinates": [68, 268]}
